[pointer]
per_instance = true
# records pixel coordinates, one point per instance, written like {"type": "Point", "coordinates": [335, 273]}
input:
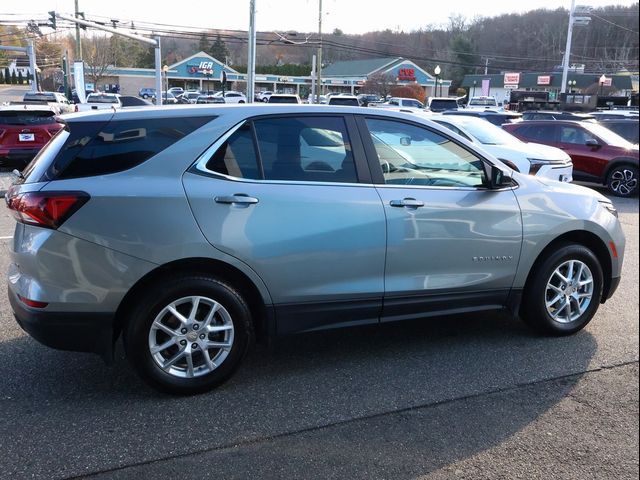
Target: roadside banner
{"type": "Point", "coordinates": [486, 88]}
{"type": "Point", "coordinates": [78, 80]}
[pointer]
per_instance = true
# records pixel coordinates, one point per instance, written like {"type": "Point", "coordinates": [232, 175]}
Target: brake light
{"type": "Point", "coordinates": [53, 131]}
{"type": "Point", "coordinates": [32, 303]}
{"type": "Point", "coordinates": [45, 209]}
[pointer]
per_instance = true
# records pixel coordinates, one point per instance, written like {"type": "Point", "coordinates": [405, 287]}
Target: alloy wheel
{"type": "Point", "coordinates": [569, 291]}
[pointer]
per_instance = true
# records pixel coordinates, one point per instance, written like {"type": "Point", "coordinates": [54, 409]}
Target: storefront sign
{"type": "Point", "coordinates": [544, 80]}
{"type": "Point", "coordinates": [407, 75]}
{"type": "Point", "coordinates": [511, 78]}
{"type": "Point", "coordinates": [205, 68]}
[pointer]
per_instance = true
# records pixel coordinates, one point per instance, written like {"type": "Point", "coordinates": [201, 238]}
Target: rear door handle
{"type": "Point", "coordinates": [241, 198]}
{"type": "Point", "coordinates": [407, 202]}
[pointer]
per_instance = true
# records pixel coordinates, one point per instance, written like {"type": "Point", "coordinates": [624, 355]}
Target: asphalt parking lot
{"type": "Point", "coordinates": [469, 397]}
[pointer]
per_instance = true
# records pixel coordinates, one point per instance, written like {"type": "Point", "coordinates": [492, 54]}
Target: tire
{"type": "Point", "coordinates": [538, 309]}
{"type": "Point", "coordinates": [241, 101]}
{"type": "Point", "coordinates": [622, 180]}
{"type": "Point", "coordinates": [182, 337]}
{"type": "Point", "coordinates": [265, 100]}
{"type": "Point", "coordinates": [145, 96]}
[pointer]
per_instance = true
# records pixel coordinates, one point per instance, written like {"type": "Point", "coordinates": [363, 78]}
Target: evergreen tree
{"type": "Point", "coordinates": [1, 76]}
{"type": "Point", "coordinates": [14, 78]}
{"type": "Point", "coordinates": [203, 44]}
{"type": "Point", "coordinates": [20, 78]}
{"type": "Point", "coordinates": [219, 50]}
{"type": "Point", "coordinates": [7, 75]}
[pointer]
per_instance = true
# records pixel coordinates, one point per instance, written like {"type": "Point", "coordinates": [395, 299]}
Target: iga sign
{"type": "Point", "coordinates": [511, 78]}
{"type": "Point", "coordinates": [206, 68]}
{"type": "Point", "coordinates": [407, 74]}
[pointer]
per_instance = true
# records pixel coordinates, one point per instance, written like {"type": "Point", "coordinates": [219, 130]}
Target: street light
{"type": "Point", "coordinates": [474, 88]}
{"type": "Point", "coordinates": [437, 72]}
{"type": "Point", "coordinates": [602, 80]}
{"type": "Point", "coordinates": [440, 82]}
{"type": "Point", "coordinates": [571, 84]}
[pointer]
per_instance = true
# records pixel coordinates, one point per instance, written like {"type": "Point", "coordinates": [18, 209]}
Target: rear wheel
{"type": "Point", "coordinates": [188, 336]}
{"type": "Point", "coordinates": [622, 180]}
{"type": "Point", "coordinates": [563, 294]}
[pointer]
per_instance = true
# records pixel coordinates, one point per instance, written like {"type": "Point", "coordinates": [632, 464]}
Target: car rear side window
{"type": "Point", "coordinates": [100, 149]}
{"type": "Point", "coordinates": [541, 133]}
{"type": "Point", "coordinates": [312, 149]}
{"type": "Point", "coordinates": [237, 155]}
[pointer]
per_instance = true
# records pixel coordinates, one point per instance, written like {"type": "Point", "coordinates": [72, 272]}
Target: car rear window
{"type": "Point", "coordinates": [274, 99]}
{"type": "Point", "coordinates": [100, 148]}
{"type": "Point", "coordinates": [344, 101]}
{"type": "Point", "coordinates": [27, 117]}
{"type": "Point", "coordinates": [443, 104]}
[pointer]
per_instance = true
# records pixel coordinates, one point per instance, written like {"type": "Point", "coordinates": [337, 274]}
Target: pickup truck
{"type": "Point", "coordinates": [400, 102]}
{"type": "Point", "coordinates": [99, 101]}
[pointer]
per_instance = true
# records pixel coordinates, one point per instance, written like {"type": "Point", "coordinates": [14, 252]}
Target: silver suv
{"type": "Point", "coordinates": [194, 230]}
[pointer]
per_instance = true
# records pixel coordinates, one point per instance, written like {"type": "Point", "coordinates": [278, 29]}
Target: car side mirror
{"type": "Point", "coordinates": [592, 142]}
{"type": "Point", "coordinates": [499, 178]}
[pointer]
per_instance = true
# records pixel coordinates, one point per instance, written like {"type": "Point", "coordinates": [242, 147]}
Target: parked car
{"type": "Point", "coordinates": [366, 98]}
{"type": "Point", "coordinates": [344, 100]}
{"type": "Point", "coordinates": [176, 91]}
{"type": "Point", "coordinates": [615, 114]}
{"type": "Point", "coordinates": [131, 101]}
{"type": "Point", "coordinates": [264, 96]}
{"type": "Point", "coordinates": [202, 99]}
{"type": "Point", "coordinates": [283, 98]}
{"type": "Point", "coordinates": [210, 227]}
{"type": "Point", "coordinates": [532, 158]}
{"type": "Point", "coordinates": [483, 102]}
{"type": "Point", "coordinates": [598, 154]}
{"type": "Point", "coordinates": [168, 98]}
{"type": "Point", "coordinates": [147, 93]}
{"type": "Point", "coordinates": [191, 97]}
{"type": "Point", "coordinates": [440, 104]}
{"type": "Point", "coordinates": [24, 130]}
{"type": "Point", "coordinates": [55, 100]}
{"type": "Point", "coordinates": [99, 101]}
{"type": "Point", "coordinates": [322, 99]}
{"type": "Point", "coordinates": [553, 115]}
{"type": "Point", "coordinates": [491, 116]}
{"type": "Point", "coordinates": [626, 127]}
{"type": "Point", "coordinates": [231, 96]}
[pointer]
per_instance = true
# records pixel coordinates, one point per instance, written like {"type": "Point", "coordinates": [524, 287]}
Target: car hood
{"type": "Point", "coordinates": [545, 152]}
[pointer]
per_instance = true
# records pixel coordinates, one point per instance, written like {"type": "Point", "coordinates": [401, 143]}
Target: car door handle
{"type": "Point", "coordinates": [407, 202]}
{"type": "Point", "coordinates": [241, 198]}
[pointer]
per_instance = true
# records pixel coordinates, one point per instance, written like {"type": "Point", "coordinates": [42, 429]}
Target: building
{"type": "Point", "coordinates": [202, 71]}
{"type": "Point", "coordinates": [499, 85]}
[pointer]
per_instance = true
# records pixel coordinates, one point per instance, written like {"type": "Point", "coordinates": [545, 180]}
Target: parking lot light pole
{"type": "Point", "coordinates": [603, 79]}
{"type": "Point", "coordinates": [435, 86]}
{"type": "Point", "coordinates": [474, 88]}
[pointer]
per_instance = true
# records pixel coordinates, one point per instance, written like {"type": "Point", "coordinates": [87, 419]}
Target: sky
{"type": "Point", "coordinates": [350, 16]}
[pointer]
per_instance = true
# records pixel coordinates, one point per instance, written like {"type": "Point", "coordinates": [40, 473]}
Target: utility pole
{"type": "Point", "coordinates": [486, 64]}
{"type": "Point", "coordinates": [78, 44]}
{"type": "Point", "coordinates": [319, 66]}
{"type": "Point", "coordinates": [251, 53]}
{"type": "Point", "coordinates": [567, 50]}
{"type": "Point", "coordinates": [313, 79]}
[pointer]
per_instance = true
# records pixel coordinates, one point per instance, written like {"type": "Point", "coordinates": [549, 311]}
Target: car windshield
{"type": "Point", "coordinates": [486, 133]}
{"type": "Point", "coordinates": [27, 117]}
{"type": "Point", "coordinates": [607, 135]}
{"type": "Point", "coordinates": [443, 104]}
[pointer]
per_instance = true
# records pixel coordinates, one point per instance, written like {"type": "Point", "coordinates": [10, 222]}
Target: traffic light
{"type": "Point", "coordinates": [52, 19]}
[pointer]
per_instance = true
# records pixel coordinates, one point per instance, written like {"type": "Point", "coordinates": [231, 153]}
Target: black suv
{"type": "Point", "coordinates": [553, 115]}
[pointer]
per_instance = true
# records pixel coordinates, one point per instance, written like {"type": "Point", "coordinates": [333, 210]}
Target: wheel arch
{"type": "Point", "coordinates": [261, 313]}
{"type": "Point", "coordinates": [587, 239]}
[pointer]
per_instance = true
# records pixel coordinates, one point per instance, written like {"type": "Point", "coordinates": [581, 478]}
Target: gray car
{"type": "Point", "coordinates": [192, 231]}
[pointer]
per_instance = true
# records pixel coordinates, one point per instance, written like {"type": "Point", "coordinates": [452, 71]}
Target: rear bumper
{"type": "Point", "coordinates": [74, 331]}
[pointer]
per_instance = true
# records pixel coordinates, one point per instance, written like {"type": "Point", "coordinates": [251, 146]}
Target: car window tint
{"type": "Point", "coordinates": [539, 133]}
{"type": "Point", "coordinates": [312, 149]}
{"type": "Point", "coordinates": [119, 145]}
{"type": "Point", "coordinates": [574, 135]}
{"type": "Point", "coordinates": [413, 155]}
{"type": "Point", "coordinates": [237, 156]}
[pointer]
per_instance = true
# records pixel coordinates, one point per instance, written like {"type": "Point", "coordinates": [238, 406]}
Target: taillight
{"type": "Point", "coordinates": [2, 132]}
{"type": "Point", "coordinates": [52, 131]}
{"type": "Point", "coordinates": [45, 209]}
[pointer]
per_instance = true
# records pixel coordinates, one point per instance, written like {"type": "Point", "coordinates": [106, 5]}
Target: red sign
{"type": "Point", "coordinates": [511, 78]}
{"type": "Point", "coordinates": [407, 74]}
{"type": "Point", "coordinates": [544, 80]}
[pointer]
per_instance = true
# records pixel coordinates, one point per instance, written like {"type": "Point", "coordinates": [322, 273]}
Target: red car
{"type": "Point", "coordinates": [24, 130]}
{"type": "Point", "coordinates": [598, 154]}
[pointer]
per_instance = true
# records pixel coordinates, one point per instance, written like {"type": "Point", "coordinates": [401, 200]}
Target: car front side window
{"type": "Point", "coordinates": [412, 155]}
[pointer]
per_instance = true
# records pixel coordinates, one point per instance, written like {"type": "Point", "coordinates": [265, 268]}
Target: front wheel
{"type": "Point", "coordinates": [622, 180]}
{"type": "Point", "coordinates": [564, 292]}
{"type": "Point", "coordinates": [188, 335]}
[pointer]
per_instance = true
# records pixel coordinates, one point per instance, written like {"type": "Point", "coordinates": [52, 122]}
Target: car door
{"type": "Point", "coordinates": [452, 243]}
{"type": "Point", "coordinates": [291, 197]}
{"type": "Point", "coordinates": [589, 162]}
